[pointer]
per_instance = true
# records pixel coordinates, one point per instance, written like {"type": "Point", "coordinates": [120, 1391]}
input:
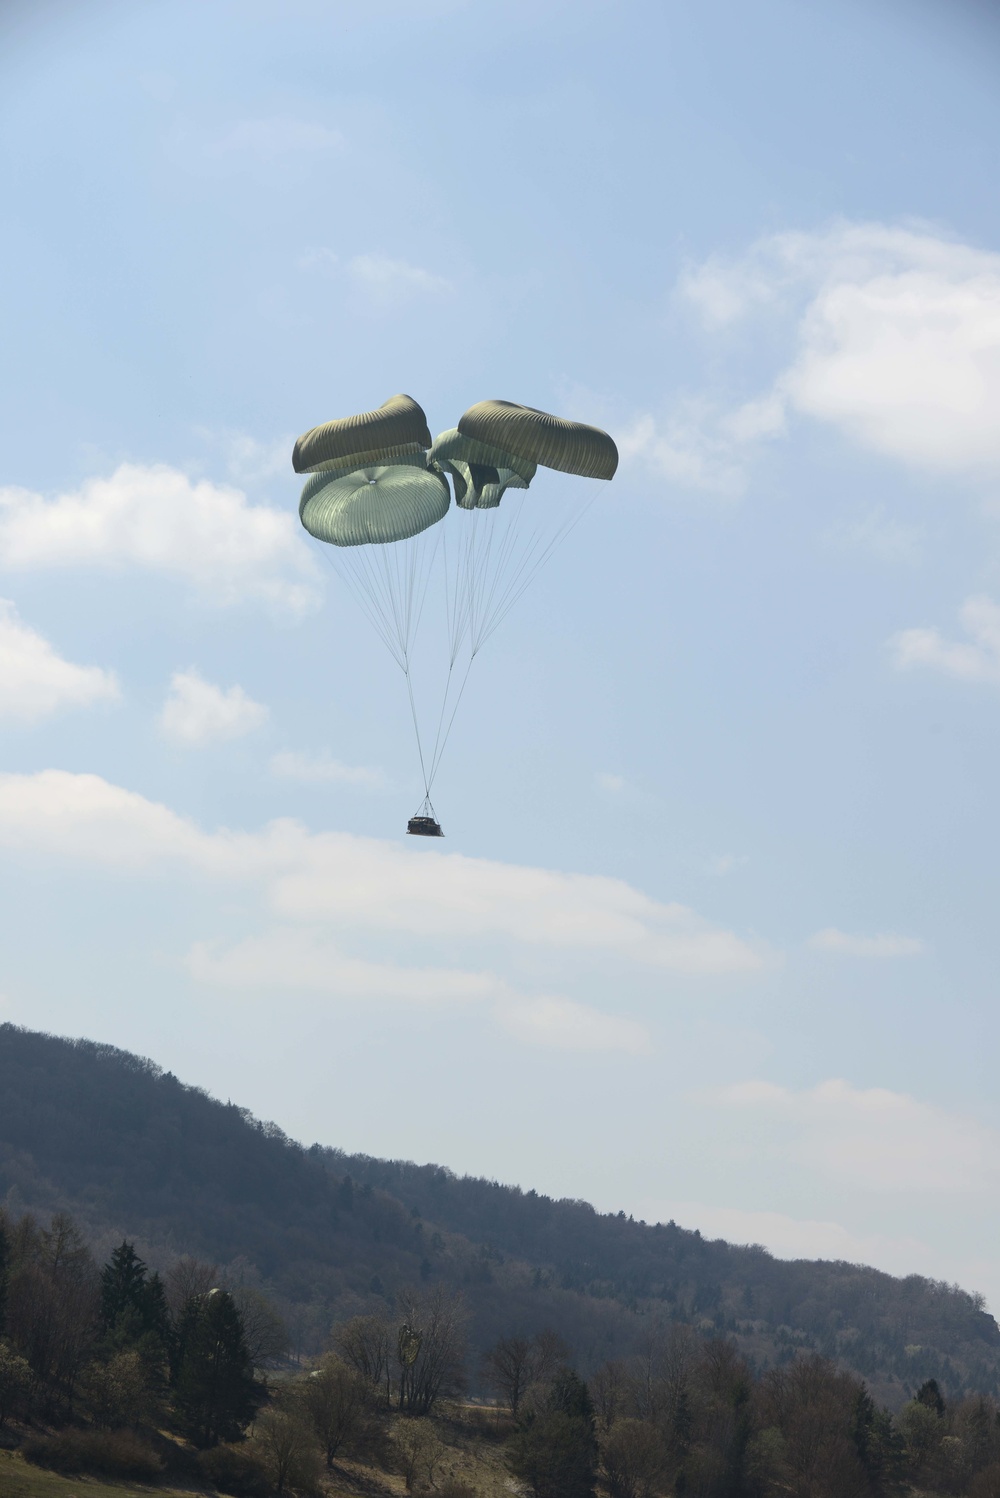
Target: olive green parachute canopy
{"type": "Point", "coordinates": [398, 427]}
{"type": "Point", "coordinates": [454, 444]}
{"type": "Point", "coordinates": [524, 432]}
{"type": "Point", "coordinates": [481, 473]}
{"type": "Point", "coordinates": [380, 503]}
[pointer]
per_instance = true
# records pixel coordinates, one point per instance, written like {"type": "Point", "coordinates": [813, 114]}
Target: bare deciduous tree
{"type": "Point", "coordinates": [438, 1367]}
{"type": "Point", "coordinates": [337, 1400]}
{"type": "Point", "coordinates": [509, 1368]}
{"type": "Point", "coordinates": [264, 1332]}
{"type": "Point", "coordinates": [286, 1448]}
{"type": "Point", "coordinates": [364, 1343]}
{"type": "Point", "coordinates": [186, 1279]}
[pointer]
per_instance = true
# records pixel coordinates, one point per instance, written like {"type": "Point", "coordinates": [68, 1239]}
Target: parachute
{"type": "Point", "coordinates": [378, 496]}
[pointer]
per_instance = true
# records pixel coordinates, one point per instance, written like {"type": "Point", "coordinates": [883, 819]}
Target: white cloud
{"type": "Point", "coordinates": [566, 1025]}
{"type": "Point", "coordinates": [886, 944]}
{"type": "Point", "coordinates": [158, 519]}
{"type": "Point", "coordinates": [975, 659]}
{"type": "Point", "coordinates": [613, 784]}
{"type": "Point", "coordinates": [287, 958]}
{"type": "Point", "coordinates": [35, 681]}
{"type": "Point", "coordinates": [870, 1138]}
{"type": "Point", "coordinates": [387, 282]}
{"type": "Point", "coordinates": [725, 863]}
{"type": "Point", "coordinates": [278, 135]}
{"type": "Point", "coordinates": [894, 337]}
{"type": "Point", "coordinates": [196, 712]}
{"type": "Point", "coordinates": [798, 1238]}
{"type": "Point", "coordinates": [336, 879]}
{"type": "Point", "coordinates": [690, 449]}
{"type": "Point", "coordinates": [321, 769]}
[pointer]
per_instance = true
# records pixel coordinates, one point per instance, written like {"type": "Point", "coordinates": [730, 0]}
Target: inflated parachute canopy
{"type": "Point", "coordinates": [525, 433]}
{"type": "Point", "coordinates": [481, 474]}
{"type": "Point", "coordinates": [391, 500]}
{"type": "Point", "coordinates": [397, 428]}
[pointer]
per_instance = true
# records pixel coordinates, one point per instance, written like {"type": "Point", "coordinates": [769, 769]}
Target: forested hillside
{"type": "Point", "coordinates": [132, 1152]}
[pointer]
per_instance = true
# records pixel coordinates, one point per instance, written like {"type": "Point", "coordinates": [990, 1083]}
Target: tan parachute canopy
{"type": "Point", "coordinates": [481, 475]}
{"type": "Point", "coordinates": [396, 428]}
{"type": "Point", "coordinates": [524, 432]}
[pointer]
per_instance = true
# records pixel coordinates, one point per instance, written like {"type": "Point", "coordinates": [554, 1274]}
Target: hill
{"type": "Point", "coordinates": [131, 1151]}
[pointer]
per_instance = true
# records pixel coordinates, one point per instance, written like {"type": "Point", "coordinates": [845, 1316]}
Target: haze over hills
{"type": "Point", "coordinates": [131, 1151]}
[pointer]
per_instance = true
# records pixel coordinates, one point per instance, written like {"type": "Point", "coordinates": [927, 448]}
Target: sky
{"type": "Point", "coordinates": [712, 933]}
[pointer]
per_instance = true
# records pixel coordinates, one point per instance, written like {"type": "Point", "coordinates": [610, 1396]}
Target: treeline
{"type": "Point", "coordinates": [113, 1140]}
{"type": "Point", "coordinates": [125, 1346]}
{"type": "Point", "coordinates": [849, 1312]}
{"type": "Point", "coordinates": [118, 1370]}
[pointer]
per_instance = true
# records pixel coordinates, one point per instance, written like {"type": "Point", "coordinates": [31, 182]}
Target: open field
{"type": "Point", "coordinates": [18, 1479]}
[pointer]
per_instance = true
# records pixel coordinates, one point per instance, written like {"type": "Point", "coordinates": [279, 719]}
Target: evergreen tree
{"type": "Point", "coordinates": [555, 1450]}
{"type": "Point", "coordinates": [155, 1312]}
{"type": "Point", "coordinates": [215, 1394]}
{"type": "Point", "coordinates": [930, 1395]}
{"type": "Point", "coordinates": [134, 1311]}
{"type": "Point", "coordinates": [123, 1281]}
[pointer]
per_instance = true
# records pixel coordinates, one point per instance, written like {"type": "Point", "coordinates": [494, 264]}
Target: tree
{"type": "Point", "coordinates": [215, 1394]}
{"type": "Point", "coordinates": [513, 1364]}
{"type": "Point", "coordinates": [364, 1344]}
{"type": "Point", "coordinates": [635, 1459]}
{"type": "Point", "coordinates": [123, 1280]}
{"type": "Point", "coordinates": [15, 1382]}
{"type": "Point", "coordinates": [264, 1332]}
{"type": "Point", "coordinates": [550, 1352]}
{"type": "Point", "coordinates": [336, 1399]}
{"type": "Point", "coordinates": [555, 1450]}
{"type": "Point", "coordinates": [124, 1391]}
{"type": "Point", "coordinates": [186, 1280]}
{"type": "Point", "coordinates": [609, 1390]}
{"type": "Point", "coordinates": [419, 1452]}
{"type": "Point", "coordinates": [930, 1395]}
{"type": "Point", "coordinates": [430, 1350]}
{"type": "Point", "coordinates": [134, 1311]}
{"type": "Point", "coordinates": [53, 1303]}
{"type": "Point", "coordinates": [286, 1450]}
{"type": "Point", "coordinates": [508, 1366]}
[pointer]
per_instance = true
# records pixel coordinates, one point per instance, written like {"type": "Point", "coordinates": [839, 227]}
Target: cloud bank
{"type": "Point", "coordinates": [36, 682]}
{"type": "Point", "coordinates": [158, 519]}
{"type": "Point", "coordinates": [893, 338]}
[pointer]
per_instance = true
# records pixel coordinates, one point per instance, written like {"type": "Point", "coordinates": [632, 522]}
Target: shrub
{"type": "Point", "coordinates": [235, 1470]}
{"type": "Point", "coordinates": [106, 1453]}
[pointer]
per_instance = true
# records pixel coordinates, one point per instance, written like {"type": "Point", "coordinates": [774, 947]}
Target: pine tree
{"type": "Point", "coordinates": [555, 1450]}
{"type": "Point", "coordinates": [215, 1394]}
{"type": "Point", "coordinates": [123, 1281]}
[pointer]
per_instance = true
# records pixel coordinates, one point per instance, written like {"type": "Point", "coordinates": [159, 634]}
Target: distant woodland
{"type": "Point", "coordinates": [184, 1290]}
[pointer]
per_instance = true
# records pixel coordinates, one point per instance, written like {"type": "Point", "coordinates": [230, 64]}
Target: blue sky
{"type": "Point", "coordinates": [712, 935]}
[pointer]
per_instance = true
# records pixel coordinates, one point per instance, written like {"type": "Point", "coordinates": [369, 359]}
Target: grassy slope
{"type": "Point", "coordinates": [19, 1480]}
{"type": "Point", "coordinates": [470, 1454]}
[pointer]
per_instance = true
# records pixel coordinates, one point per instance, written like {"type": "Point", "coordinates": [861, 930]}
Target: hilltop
{"type": "Point", "coordinates": [132, 1151]}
